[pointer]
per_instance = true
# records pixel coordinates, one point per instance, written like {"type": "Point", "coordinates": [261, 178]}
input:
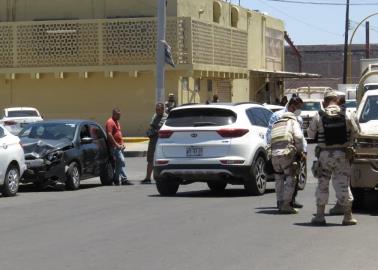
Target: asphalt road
{"type": "Point", "coordinates": [132, 227]}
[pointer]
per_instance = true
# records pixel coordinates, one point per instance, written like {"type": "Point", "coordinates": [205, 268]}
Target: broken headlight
{"type": "Point", "coordinates": [54, 156]}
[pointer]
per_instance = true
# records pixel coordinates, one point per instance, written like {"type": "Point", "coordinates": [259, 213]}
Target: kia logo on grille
{"type": "Point", "coordinates": [194, 135]}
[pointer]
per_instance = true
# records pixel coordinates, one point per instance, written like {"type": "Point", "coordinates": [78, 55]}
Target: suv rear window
{"type": "Point", "coordinates": [200, 117]}
{"type": "Point", "coordinates": [23, 113]}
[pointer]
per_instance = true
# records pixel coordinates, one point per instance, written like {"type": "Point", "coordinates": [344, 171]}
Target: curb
{"type": "Point", "coordinates": [135, 139]}
{"type": "Point", "coordinates": [135, 154]}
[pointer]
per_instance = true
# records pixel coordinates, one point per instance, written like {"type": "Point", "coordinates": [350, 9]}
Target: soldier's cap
{"type": "Point", "coordinates": [329, 94]}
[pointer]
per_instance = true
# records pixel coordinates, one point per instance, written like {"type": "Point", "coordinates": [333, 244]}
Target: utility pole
{"type": "Point", "coordinates": [160, 51]}
{"type": "Point", "coordinates": [367, 49]}
{"type": "Point", "coordinates": [346, 43]}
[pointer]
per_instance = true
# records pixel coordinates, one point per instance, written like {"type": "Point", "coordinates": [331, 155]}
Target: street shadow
{"type": "Point", "coordinates": [208, 194]}
{"type": "Point", "coordinates": [28, 188]}
{"type": "Point", "coordinates": [270, 211]}
{"type": "Point", "coordinates": [309, 224]}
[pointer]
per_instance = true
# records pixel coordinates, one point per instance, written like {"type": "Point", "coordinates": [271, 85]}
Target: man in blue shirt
{"type": "Point", "coordinates": [292, 106]}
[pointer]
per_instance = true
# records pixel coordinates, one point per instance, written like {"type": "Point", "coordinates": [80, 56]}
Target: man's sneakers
{"type": "Point", "coordinates": [126, 182]}
{"type": "Point", "coordinates": [146, 181]}
{"type": "Point", "coordinates": [296, 204]}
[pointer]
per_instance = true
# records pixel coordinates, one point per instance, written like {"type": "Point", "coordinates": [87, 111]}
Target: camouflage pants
{"type": "Point", "coordinates": [333, 164]}
{"type": "Point", "coordinates": [284, 177]}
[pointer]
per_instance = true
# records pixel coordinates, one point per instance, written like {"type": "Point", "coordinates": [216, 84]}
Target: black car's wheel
{"type": "Point", "coordinates": [11, 181]}
{"type": "Point", "coordinates": [107, 174]}
{"type": "Point", "coordinates": [73, 176]}
{"type": "Point", "coordinates": [217, 186]}
{"type": "Point", "coordinates": [302, 177]}
{"type": "Point", "coordinates": [167, 186]}
{"type": "Point", "coordinates": [255, 184]}
{"type": "Point", "coordinates": [359, 197]}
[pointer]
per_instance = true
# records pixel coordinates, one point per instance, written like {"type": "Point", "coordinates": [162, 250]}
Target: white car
{"type": "Point", "coordinates": [12, 162]}
{"type": "Point", "coordinates": [351, 106]}
{"type": "Point", "coordinates": [309, 110]}
{"type": "Point", "coordinates": [273, 108]}
{"type": "Point", "coordinates": [218, 144]}
{"type": "Point", "coordinates": [14, 119]}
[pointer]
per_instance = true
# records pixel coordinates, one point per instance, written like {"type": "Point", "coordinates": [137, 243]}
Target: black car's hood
{"type": "Point", "coordinates": [37, 148]}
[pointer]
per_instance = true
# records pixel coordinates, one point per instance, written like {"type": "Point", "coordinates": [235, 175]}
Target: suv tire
{"type": "Point", "coordinates": [166, 186]}
{"type": "Point", "coordinates": [11, 181]}
{"type": "Point", "coordinates": [255, 183]}
{"type": "Point", "coordinates": [217, 186]}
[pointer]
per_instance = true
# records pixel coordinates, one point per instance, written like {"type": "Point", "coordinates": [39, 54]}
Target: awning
{"type": "Point", "coordinates": [283, 74]}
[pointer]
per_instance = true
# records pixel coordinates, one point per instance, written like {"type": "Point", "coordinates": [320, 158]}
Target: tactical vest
{"type": "Point", "coordinates": [280, 133]}
{"type": "Point", "coordinates": [335, 129]}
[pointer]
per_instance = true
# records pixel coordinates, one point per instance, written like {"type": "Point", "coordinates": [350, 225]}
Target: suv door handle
{"type": "Point", "coordinates": [5, 146]}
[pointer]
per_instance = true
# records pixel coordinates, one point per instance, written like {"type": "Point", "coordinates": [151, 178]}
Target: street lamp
{"type": "Point", "coordinates": [160, 58]}
{"type": "Point", "coordinates": [350, 44]}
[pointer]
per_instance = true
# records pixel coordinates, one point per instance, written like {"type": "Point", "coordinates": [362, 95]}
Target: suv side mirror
{"type": "Point", "coordinates": [86, 140]}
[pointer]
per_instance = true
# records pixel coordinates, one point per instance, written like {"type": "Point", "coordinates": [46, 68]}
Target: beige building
{"type": "Point", "coordinates": [79, 59]}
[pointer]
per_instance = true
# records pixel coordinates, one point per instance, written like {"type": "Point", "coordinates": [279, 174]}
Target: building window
{"type": "Point", "coordinates": [234, 17]}
{"type": "Point", "coordinates": [210, 85]}
{"type": "Point", "coordinates": [185, 84]}
{"type": "Point", "coordinates": [217, 11]}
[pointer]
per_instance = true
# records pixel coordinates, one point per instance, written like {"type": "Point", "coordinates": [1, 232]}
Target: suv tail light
{"type": "Point", "coordinates": [232, 132]}
{"type": "Point", "coordinates": [9, 123]}
{"type": "Point", "coordinates": [165, 134]}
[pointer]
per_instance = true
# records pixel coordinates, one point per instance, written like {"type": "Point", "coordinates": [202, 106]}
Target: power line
{"type": "Point", "coordinates": [301, 21]}
{"type": "Point", "coordinates": [324, 3]}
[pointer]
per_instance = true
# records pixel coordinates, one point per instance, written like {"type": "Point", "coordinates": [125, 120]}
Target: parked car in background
{"type": "Point", "coordinates": [14, 119]}
{"type": "Point", "coordinates": [309, 110]}
{"type": "Point", "coordinates": [217, 144]}
{"type": "Point", "coordinates": [66, 152]}
{"type": "Point", "coordinates": [351, 106]}
{"type": "Point", "coordinates": [12, 162]}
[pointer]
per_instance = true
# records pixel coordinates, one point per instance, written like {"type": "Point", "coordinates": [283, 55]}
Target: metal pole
{"type": "Point", "coordinates": [160, 54]}
{"type": "Point", "coordinates": [367, 40]}
{"type": "Point", "coordinates": [346, 44]}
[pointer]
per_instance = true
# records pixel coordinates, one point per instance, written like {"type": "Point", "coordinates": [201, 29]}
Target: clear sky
{"type": "Point", "coordinates": [319, 24]}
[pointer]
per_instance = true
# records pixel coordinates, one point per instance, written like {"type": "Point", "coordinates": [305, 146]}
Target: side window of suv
{"type": "Point", "coordinates": [257, 117]}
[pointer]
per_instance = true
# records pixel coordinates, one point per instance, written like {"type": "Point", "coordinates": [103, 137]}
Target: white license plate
{"type": "Point", "coordinates": [194, 151]}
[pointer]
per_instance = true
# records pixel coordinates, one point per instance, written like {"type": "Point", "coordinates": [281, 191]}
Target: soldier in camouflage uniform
{"type": "Point", "coordinates": [286, 143]}
{"type": "Point", "coordinates": [333, 130]}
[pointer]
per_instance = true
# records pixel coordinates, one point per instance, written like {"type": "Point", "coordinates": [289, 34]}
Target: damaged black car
{"type": "Point", "coordinates": [65, 152]}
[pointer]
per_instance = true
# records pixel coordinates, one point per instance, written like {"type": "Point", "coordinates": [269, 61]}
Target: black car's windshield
{"type": "Point", "coordinates": [311, 106]}
{"type": "Point", "coordinates": [370, 110]}
{"type": "Point", "coordinates": [49, 131]}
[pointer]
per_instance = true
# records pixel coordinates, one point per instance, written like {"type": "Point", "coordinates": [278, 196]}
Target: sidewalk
{"type": "Point", "coordinates": [136, 146]}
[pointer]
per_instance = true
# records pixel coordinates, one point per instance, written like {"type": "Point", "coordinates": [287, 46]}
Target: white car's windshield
{"type": "Point", "coordinates": [311, 106]}
{"type": "Point", "coordinates": [370, 110]}
{"type": "Point", "coordinates": [351, 104]}
{"type": "Point", "coordinates": [23, 113]}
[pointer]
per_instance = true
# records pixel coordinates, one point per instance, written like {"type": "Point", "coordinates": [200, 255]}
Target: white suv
{"type": "Point", "coordinates": [218, 144]}
{"type": "Point", "coordinates": [12, 162]}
